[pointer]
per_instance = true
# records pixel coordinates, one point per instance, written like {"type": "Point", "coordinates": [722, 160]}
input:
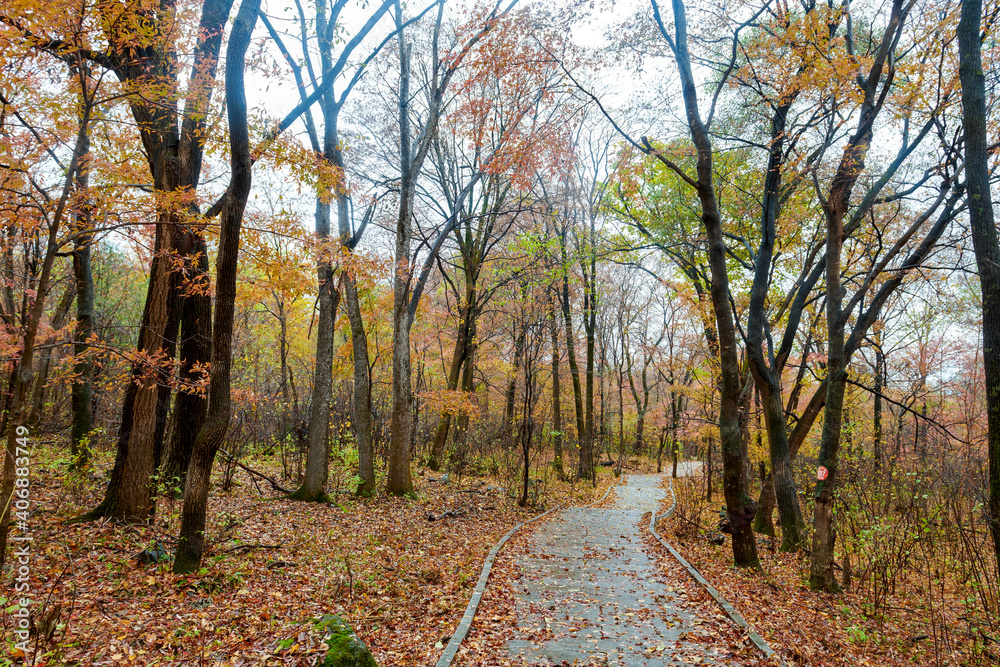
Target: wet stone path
{"type": "Point", "coordinates": [590, 593]}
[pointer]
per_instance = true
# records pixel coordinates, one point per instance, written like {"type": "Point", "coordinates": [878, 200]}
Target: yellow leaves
{"type": "Point", "coordinates": [451, 402]}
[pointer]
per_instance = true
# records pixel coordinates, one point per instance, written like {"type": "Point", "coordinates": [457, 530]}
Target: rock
{"type": "Point", "coordinates": [493, 490]}
{"type": "Point", "coordinates": [717, 540]}
{"type": "Point", "coordinates": [344, 648]}
{"type": "Point", "coordinates": [445, 478]}
{"type": "Point", "coordinates": [154, 554]}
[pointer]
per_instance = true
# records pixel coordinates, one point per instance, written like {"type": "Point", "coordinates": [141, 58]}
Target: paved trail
{"type": "Point", "coordinates": [590, 592]}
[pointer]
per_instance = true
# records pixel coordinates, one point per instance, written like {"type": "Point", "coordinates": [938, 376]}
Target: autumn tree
{"type": "Point", "coordinates": [408, 284]}
{"type": "Point", "coordinates": [46, 217]}
{"type": "Point", "coordinates": [191, 541]}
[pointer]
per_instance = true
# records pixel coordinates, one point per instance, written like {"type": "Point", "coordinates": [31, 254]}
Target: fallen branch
{"type": "Point", "coordinates": [250, 547]}
{"type": "Point", "coordinates": [277, 487]}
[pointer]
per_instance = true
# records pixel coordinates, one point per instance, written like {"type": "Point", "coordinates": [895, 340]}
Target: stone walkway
{"type": "Point", "coordinates": [589, 592]}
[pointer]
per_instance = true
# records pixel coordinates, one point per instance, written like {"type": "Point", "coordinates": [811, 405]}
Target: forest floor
{"type": "Point", "coordinates": [818, 629]}
{"type": "Point", "coordinates": [273, 568]}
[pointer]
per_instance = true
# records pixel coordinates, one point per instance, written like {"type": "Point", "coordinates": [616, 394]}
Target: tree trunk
{"type": "Point", "coordinates": [362, 390]}
{"type": "Point", "coordinates": [191, 541]}
{"type": "Point", "coordinates": [852, 163]}
{"type": "Point", "coordinates": [313, 488]}
{"type": "Point", "coordinates": [739, 506]}
{"type": "Point", "coordinates": [877, 410]}
{"type": "Point", "coordinates": [468, 386]}
{"type": "Point", "coordinates": [519, 337]}
{"type": "Point", "coordinates": [83, 367]}
{"type": "Point", "coordinates": [557, 427]}
{"type": "Point", "coordinates": [984, 236]}
{"type": "Point", "coordinates": [574, 369]}
{"type": "Point", "coordinates": [586, 467]}
{"type": "Point", "coordinates": [190, 407]}
{"type": "Point", "coordinates": [783, 491]}
{"type": "Point", "coordinates": [710, 445]}
{"type": "Point", "coordinates": [457, 360]}
{"type": "Point", "coordinates": [400, 482]}
{"type": "Point", "coordinates": [675, 423]}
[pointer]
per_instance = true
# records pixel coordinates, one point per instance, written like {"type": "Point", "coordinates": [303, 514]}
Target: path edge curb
{"type": "Point", "coordinates": [451, 650]}
{"type": "Point", "coordinates": [734, 615]}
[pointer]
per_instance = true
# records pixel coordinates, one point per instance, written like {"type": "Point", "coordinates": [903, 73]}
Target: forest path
{"type": "Point", "coordinates": [590, 590]}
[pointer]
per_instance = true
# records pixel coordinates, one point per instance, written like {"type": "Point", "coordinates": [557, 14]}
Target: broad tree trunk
{"type": "Point", "coordinates": [782, 491]}
{"type": "Point", "coordinates": [190, 407]}
{"type": "Point", "coordinates": [400, 482]}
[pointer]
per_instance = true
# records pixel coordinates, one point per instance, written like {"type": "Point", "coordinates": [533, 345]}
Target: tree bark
{"type": "Point", "coordinates": [557, 427]}
{"type": "Point", "coordinates": [190, 406]}
{"type": "Point", "coordinates": [984, 235]}
{"type": "Point", "coordinates": [81, 391]}
{"type": "Point", "coordinates": [767, 377]}
{"type": "Point", "coordinates": [362, 390]}
{"type": "Point", "coordinates": [175, 157]}
{"type": "Point", "coordinates": [739, 506]}
{"type": "Point", "coordinates": [877, 410]}
{"type": "Point", "coordinates": [821, 574]}
{"type": "Point", "coordinates": [191, 541]}
{"type": "Point", "coordinates": [313, 486]}
{"type": "Point", "coordinates": [400, 482]}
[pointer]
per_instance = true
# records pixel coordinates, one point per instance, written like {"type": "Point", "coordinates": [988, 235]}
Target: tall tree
{"type": "Point", "coordinates": [191, 541]}
{"type": "Point", "coordinates": [740, 507]}
{"type": "Point", "coordinates": [412, 153]}
{"type": "Point", "coordinates": [141, 54]}
{"type": "Point", "coordinates": [984, 233]}
{"type": "Point", "coordinates": [49, 225]}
